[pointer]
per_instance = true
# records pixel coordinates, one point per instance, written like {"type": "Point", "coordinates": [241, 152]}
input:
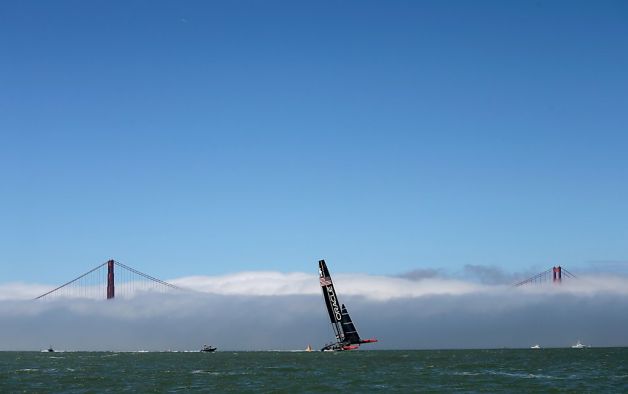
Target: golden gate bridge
{"type": "Point", "coordinates": [113, 279]}
{"type": "Point", "coordinates": [110, 280]}
{"type": "Point", "coordinates": [552, 275]}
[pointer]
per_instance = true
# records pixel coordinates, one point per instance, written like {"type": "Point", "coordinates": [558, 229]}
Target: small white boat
{"type": "Point", "coordinates": [535, 347]}
{"type": "Point", "coordinates": [578, 345]}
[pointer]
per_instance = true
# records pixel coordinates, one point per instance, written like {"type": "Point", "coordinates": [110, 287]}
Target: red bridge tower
{"type": "Point", "coordinates": [111, 290]}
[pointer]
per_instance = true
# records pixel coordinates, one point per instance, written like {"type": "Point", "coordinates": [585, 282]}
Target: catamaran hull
{"type": "Point", "coordinates": [334, 347]}
{"type": "Point", "coordinates": [338, 347]}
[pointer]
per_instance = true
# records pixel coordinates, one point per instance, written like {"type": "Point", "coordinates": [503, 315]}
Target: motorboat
{"type": "Point", "coordinates": [208, 349]}
{"type": "Point", "coordinates": [578, 345]}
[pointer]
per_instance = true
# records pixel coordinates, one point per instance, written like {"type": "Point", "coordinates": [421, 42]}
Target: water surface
{"type": "Point", "coordinates": [569, 370]}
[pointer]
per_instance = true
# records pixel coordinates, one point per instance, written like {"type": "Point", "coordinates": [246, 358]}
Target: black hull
{"type": "Point", "coordinates": [338, 347]}
{"type": "Point", "coordinates": [332, 348]}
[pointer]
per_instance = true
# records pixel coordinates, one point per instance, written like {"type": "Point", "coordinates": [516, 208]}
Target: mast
{"type": "Point", "coordinates": [331, 300]}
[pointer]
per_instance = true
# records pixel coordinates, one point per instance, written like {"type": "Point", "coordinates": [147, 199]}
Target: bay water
{"type": "Point", "coordinates": [500, 370]}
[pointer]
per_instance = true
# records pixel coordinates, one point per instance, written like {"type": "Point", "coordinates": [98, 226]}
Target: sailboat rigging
{"type": "Point", "coordinates": [347, 337]}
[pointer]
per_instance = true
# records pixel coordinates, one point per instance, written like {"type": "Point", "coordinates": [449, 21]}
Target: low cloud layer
{"type": "Point", "coordinates": [271, 310]}
{"type": "Point", "coordinates": [369, 286]}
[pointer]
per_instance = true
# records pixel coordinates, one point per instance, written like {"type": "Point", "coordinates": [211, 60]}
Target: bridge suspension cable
{"type": "Point", "coordinates": [104, 281]}
{"type": "Point", "coordinates": [554, 274]}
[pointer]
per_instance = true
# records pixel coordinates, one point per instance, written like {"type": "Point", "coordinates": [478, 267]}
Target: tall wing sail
{"type": "Point", "coordinates": [331, 300]}
{"type": "Point", "coordinates": [348, 328]}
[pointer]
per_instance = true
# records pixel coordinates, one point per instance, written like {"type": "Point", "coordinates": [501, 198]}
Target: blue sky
{"type": "Point", "coordinates": [206, 138]}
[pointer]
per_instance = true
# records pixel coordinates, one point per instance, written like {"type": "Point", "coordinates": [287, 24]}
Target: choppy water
{"type": "Point", "coordinates": [586, 370]}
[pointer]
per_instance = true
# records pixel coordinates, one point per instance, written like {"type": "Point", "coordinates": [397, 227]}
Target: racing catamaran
{"type": "Point", "coordinates": [347, 337]}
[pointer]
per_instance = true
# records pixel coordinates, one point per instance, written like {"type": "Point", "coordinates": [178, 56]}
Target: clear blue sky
{"type": "Point", "coordinates": [203, 138]}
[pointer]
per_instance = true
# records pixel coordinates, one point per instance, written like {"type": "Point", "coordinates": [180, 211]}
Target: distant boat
{"type": "Point", "coordinates": [51, 350]}
{"type": "Point", "coordinates": [347, 337]}
{"type": "Point", "coordinates": [578, 345]}
{"type": "Point", "coordinates": [208, 349]}
{"type": "Point", "coordinates": [535, 347]}
{"type": "Point", "coordinates": [308, 348]}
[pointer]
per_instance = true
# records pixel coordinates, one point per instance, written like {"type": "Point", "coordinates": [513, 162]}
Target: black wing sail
{"type": "Point", "coordinates": [348, 328]}
{"type": "Point", "coordinates": [331, 300]}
